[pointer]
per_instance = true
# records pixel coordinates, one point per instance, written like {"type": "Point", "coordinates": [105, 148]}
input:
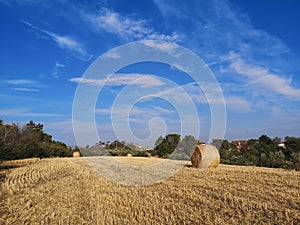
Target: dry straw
{"type": "Point", "coordinates": [68, 191]}
{"type": "Point", "coordinates": [20, 162]}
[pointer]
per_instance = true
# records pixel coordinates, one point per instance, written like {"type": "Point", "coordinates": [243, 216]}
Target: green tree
{"type": "Point", "coordinates": [188, 144]}
{"type": "Point", "coordinates": [264, 139]}
{"type": "Point", "coordinates": [33, 132]}
{"type": "Point", "coordinates": [266, 149]}
{"type": "Point", "coordinates": [217, 143]}
{"type": "Point", "coordinates": [166, 146]}
{"type": "Point", "coordinates": [292, 145]}
{"type": "Point", "coordinates": [277, 159]}
{"type": "Point", "coordinates": [159, 140]}
{"type": "Point", "coordinates": [184, 148]}
{"type": "Point", "coordinates": [296, 161]}
{"type": "Point", "coordinates": [30, 141]}
{"type": "Point", "coordinates": [117, 145]}
{"type": "Point", "coordinates": [228, 152]}
{"type": "Point", "coordinates": [276, 140]}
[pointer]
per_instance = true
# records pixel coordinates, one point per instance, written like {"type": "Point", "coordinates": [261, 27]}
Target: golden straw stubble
{"type": "Point", "coordinates": [68, 191]}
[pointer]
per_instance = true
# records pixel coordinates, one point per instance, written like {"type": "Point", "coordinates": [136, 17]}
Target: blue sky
{"type": "Point", "coordinates": [252, 48]}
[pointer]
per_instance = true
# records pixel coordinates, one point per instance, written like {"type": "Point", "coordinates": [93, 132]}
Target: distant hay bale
{"type": "Point", "coordinates": [76, 154]}
{"type": "Point", "coordinates": [129, 155]}
{"type": "Point", "coordinates": [205, 156]}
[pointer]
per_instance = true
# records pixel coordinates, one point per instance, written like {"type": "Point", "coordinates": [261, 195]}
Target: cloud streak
{"type": "Point", "coordinates": [222, 27]}
{"type": "Point", "coordinates": [261, 77]}
{"type": "Point", "coordinates": [22, 112]}
{"type": "Point", "coordinates": [25, 85]}
{"type": "Point", "coordinates": [149, 111]}
{"type": "Point", "coordinates": [142, 80]}
{"type": "Point", "coordinates": [125, 26]}
{"type": "Point", "coordinates": [21, 82]}
{"type": "Point", "coordinates": [26, 89]}
{"type": "Point", "coordinates": [64, 42]}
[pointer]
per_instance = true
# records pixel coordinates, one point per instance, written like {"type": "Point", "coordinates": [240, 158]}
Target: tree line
{"type": "Point", "coordinates": [29, 141]}
{"type": "Point", "coordinates": [263, 151]}
{"type": "Point", "coordinates": [170, 146]}
{"type": "Point", "coordinates": [115, 148]}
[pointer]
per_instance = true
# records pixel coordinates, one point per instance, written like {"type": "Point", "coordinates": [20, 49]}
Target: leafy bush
{"type": "Point", "coordinates": [262, 152]}
{"type": "Point", "coordinates": [29, 141]}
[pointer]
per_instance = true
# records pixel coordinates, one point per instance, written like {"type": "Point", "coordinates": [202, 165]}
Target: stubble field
{"type": "Point", "coordinates": [68, 191]}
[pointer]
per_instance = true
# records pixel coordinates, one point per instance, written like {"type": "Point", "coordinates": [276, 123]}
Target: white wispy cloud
{"type": "Point", "coordinates": [187, 69]}
{"type": "Point", "coordinates": [21, 82]}
{"type": "Point", "coordinates": [219, 26]}
{"type": "Point", "coordinates": [56, 69]}
{"type": "Point", "coordinates": [64, 42]}
{"type": "Point", "coordinates": [24, 112]}
{"type": "Point", "coordinates": [57, 64]}
{"type": "Point", "coordinates": [126, 27]}
{"type": "Point", "coordinates": [137, 111]}
{"type": "Point", "coordinates": [121, 111]}
{"type": "Point", "coordinates": [25, 85]}
{"type": "Point", "coordinates": [162, 46]}
{"type": "Point", "coordinates": [26, 89]}
{"type": "Point", "coordinates": [113, 55]}
{"type": "Point", "coordinates": [261, 76]}
{"type": "Point", "coordinates": [264, 60]}
{"type": "Point", "coordinates": [142, 80]}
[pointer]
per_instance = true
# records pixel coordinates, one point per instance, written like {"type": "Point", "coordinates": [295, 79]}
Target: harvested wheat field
{"type": "Point", "coordinates": [68, 191]}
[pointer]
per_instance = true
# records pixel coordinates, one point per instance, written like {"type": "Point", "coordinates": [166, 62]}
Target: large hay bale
{"type": "Point", "coordinates": [76, 154]}
{"type": "Point", "coordinates": [205, 156]}
{"type": "Point", "coordinates": [197, 155]}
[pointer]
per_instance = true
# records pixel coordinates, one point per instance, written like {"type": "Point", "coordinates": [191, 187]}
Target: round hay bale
{"type": "Point", "coordinates": [76, 154]}
{"type": "Point", "coordinates": [210, 158]}
{"type": "Point", "coordinates": [129, 155]}
{"type": "Point", "coordinates": [197, 155]}
{"type": "Point", "coordinates": [205, 156]}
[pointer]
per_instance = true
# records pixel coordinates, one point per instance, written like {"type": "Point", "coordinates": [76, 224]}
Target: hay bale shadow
{"type": "Point", "coordinates": [188, 166]}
